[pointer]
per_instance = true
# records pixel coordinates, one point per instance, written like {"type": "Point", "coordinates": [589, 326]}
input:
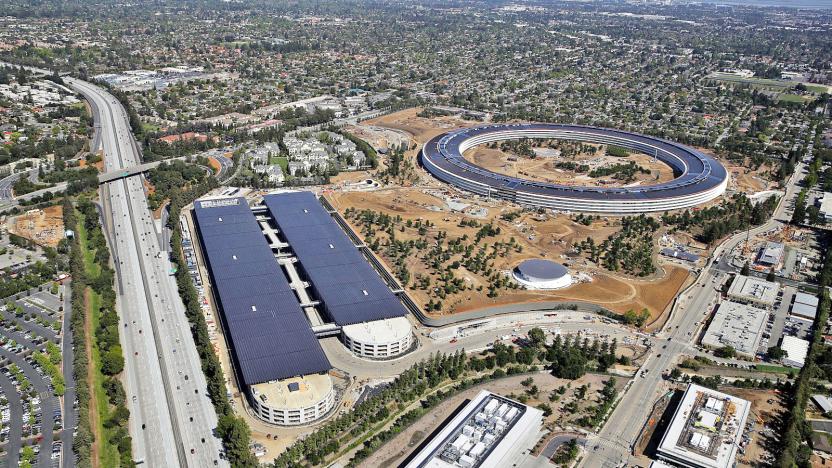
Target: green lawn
{"type": "Point", "coordinates": [773, 369]}
{"type": "Point", "coordinates": [283, 162]}
{"type": "Point", "coordinates": [793, 98]}
{"type": "Point", "coordinates": [767, 83]}
{"type": "Point", "coordinates": [108, 453]}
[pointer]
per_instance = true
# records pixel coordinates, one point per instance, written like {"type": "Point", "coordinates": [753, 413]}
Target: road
{"type": "Point", "coordinates": [612, 447]}
{"type": "Point", "coordinates": [172, 419]}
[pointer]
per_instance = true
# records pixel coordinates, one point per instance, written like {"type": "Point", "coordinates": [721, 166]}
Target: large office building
{"type": "Point", "coordinates": [706, 429]}
{"type": "Point", "coordinates": [737, 325]}
{"type": "Point", "coordinates": [489, 432]}
{"type": "Point", "coordinates": [276, 357]}
{"type": "Point", "coordinates": [750, 290]}
{"type": "Point", "coordinates": [351, 293]}
{"type": "Point", "coordinates": [698, 177]}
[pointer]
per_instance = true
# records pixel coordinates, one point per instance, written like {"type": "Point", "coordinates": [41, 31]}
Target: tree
{"type": "Point", "coordinates": [235, 435]}
{"type": "Point", "coordinates": [112, 362]}
{"type": "Point", "coordinates": [776, 352]}
{"type": "Point", "coordinates": [746, 269]}
{"type": "Point", "coordinates": [725, 352]}
{"type": "Point", "coordinates": [537, 336]}
{"type": "Point", "coordinates": [771, 276]}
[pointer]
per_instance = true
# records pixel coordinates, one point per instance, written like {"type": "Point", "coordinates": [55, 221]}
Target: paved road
{"type": "Point", "coordinates": [15, 420]}
{"type": "Point", "coordinates": [612, 446]}
{"type": "Point", "coordinates": [48, 403]}
{"type": "Point", "coordinates": [172, 419]}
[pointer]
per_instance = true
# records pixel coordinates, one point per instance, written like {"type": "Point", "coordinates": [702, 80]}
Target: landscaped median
{"type": "Point", "coordinates": [103, 438]}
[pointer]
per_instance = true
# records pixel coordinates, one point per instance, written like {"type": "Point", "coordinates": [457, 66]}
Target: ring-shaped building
{"type": "Point", "coordinates": [698, 178]}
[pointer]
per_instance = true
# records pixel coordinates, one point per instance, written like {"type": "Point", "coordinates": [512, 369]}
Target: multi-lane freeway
{"type": "Point", "coordinates": [172, 419]}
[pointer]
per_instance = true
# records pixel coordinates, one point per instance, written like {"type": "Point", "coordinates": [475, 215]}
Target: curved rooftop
{"type": "Point", "coordinates": [542, 269]}
{"type": "Point", "coordinates": [698, 177]}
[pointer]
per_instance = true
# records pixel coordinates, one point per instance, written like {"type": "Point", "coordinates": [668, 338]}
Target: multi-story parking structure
{"type": "Point", "coordinates": [350, 292]}
{"type": "Point", "coordinates": [276, 357]}
{"type": "Point", "coordinates": [698, 177]}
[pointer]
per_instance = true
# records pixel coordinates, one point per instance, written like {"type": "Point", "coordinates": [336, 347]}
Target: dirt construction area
{"type": "Point", "coordinates": [534, 236]}
{"type": "Point", "coordinates": [551, 168]}
{"type": "Point", "coordinates": [44, 227]}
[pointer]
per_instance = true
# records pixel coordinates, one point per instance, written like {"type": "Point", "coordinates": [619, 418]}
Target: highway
{"type": "Point", "coordinates": [172, 419]}
{"type": "Point", "coordinates": [612, 447]}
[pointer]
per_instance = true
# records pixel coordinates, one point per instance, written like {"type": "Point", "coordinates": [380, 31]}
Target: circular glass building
{"type": "Point", "coordinates": [542, 274]}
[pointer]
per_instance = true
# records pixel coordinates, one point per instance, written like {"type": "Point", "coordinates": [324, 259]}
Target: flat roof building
{"type": "Point", "coordinates": [771, 254]}
{"type": "Point", "coordinates": [737, 325]}
{"type": "Point", "coordinates": [796, 350]}
{"type": "Point", "coordinates": [749, 290]}
{"type": "Point", "coordinates": [352, 294]}
{"type": "Point", "coordinates": [279, 362]}
{"type": "Point", "coordinates": [825, 206]}
{"type": "Point", "coordinates": [805, 305]}
{"type": "Point", "coordinates": [706, 429]}
{"type": "Point", "coordinates": [491, 431]}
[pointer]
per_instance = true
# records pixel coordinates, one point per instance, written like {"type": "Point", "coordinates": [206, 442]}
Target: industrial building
{"type": "Point", "coordinates": [737, 325]}
{"type": "Point", "coordinates": [489, 432]}
{"type": "Point", "coordinates": [796, 350]}
{"type": "Point", "coordinates": [706, 429]}
{"type": "Point", "coordinates": [805, 306]}
{"type": "Point", "coordinates": [753, 291]}
{"type": "Point", "coordinates": [698, 177]}
{"type": "Point", "coordinates": [542, 274]}
{"type": "Point", "coordinates": [771, 254]}
{"type": "Point", "coordinates": [270, 340]}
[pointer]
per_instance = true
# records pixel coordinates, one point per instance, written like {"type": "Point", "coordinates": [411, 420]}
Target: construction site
{"type": "Point", "coordinates": [43, 227]}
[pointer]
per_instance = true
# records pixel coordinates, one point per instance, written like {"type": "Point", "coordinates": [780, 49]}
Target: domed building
{"type": "Point", "coordinates": [542, 274]}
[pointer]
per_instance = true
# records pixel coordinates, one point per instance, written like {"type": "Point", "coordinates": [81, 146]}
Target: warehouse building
{"type": "Point", "coordinates": [796, 350]}
{"type": "Point", "coordinates": [706, 429]}
{"type": "Point", "coordinates": [737, 325]}
{"type": "Point", "coordinates": [276, 357]}
{"type": "Point", "coordinates": [753, 291]}
{"type": "Point", "coordinates": [351, 293]}
{"type": "Point", "coordinates": [805, 306]}
{"type": "Point", "coordinates": [489, 432]}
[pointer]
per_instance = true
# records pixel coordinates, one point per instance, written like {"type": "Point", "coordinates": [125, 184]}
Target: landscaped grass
{"type": "Point", "coordinates": [767, 83]}
{"type": "Point", "coordinates": [283, 162]}
{"type": "Point", "coordinates": [108, 454]}
{"type": "Point", "coordinates": [773, 369]}
{"type": "Point", "coordinates": [793, 98]}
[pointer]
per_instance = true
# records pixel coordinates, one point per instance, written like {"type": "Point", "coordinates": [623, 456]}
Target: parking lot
{"type": "Point", "coordinates": [32, 377]}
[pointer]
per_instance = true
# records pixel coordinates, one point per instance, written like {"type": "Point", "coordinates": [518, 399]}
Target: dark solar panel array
{"type": "Point", "coordinates": [350, 290]}
{"type": "Point", "coordinates": [270, 336]}
{"type": "Point", "coordinates": [696, 171]}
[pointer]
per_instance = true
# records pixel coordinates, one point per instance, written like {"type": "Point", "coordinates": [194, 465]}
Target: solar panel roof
{"type": "Point", "coordinates": [350, 290]}
{"type": "Point", "coordinates": [270, 336]}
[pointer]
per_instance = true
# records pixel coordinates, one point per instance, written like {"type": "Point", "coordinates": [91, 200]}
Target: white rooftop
{"type": "Point", "coordinates": [482, 435]}
{"type": "Point", "coordinates": [749, 289]}
{"type": "Point", "coordinates": [737, 325]}
{"type": "Point", "coordinates": [378, 332]}
{"type": "Point", "coordinates": [704, 433]}
{"type": "Point", "coordinates": [795, 349]}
